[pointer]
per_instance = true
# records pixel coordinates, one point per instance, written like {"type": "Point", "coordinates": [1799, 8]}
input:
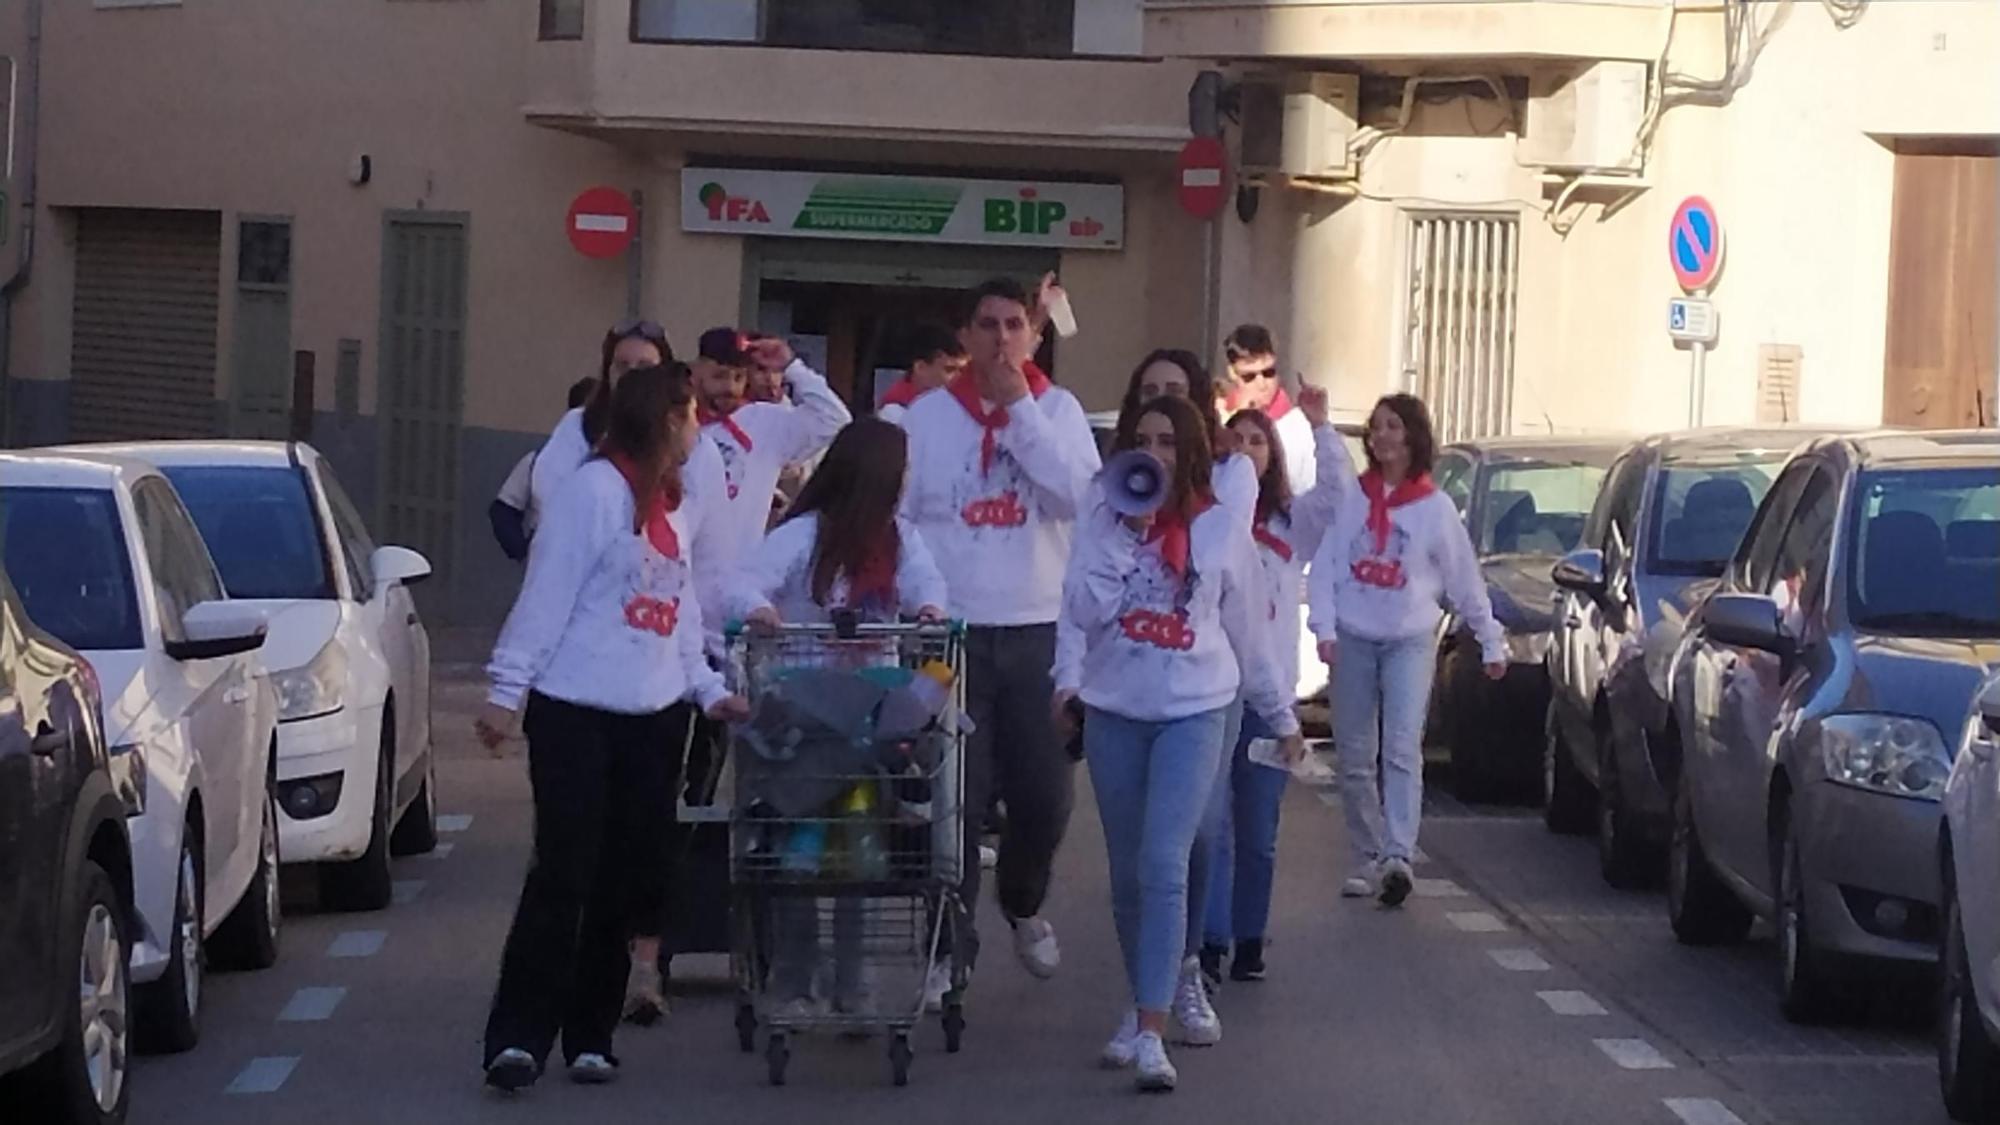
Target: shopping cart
{"type": "Point", "coordinates": [846, 793]}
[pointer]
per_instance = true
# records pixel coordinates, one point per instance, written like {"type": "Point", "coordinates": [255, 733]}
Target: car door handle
{"type": "Point", "coordinates": [48, 741]}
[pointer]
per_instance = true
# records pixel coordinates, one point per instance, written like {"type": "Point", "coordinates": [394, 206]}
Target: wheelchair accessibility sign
{"type": "Point", "coordinates": [1692, 320]}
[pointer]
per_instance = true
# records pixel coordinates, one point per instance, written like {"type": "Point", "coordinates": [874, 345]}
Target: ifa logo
{"type": "Point", "coordinates": [726, 208]}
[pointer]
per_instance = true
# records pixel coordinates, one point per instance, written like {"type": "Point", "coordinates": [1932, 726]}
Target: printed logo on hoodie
{"type": "Point", "coordinates": [1154, 609]}
{"type": "Point", "coordinates": [993, 498]}
{"type": "Point", "coordinates": [653, 604]}
{"type": "Point", "coordinates": [1385, 570]}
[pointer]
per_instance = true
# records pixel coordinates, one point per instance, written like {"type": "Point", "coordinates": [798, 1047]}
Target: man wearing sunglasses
{"type": "Point", "coordinates": [1253, 369]}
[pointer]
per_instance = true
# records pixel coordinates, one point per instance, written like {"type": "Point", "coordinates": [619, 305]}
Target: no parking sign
{"type": "Point", "coordinates": [1694, 244]}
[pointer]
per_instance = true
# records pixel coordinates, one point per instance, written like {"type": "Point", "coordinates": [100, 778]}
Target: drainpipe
{"type": "Point", "coordinates": [27, 111]}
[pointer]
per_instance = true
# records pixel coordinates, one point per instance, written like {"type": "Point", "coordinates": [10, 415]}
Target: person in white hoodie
{"type": "Point", "coordinates": [1243, 814]}
{"type": "Point", "coordinates": [604, 639]}
{"type": "Point", "coordinates": [1378, 582]}
{"type": "Point", "coordinates": [1169, 606]}
{"type": "Point", "coordinates": [999, 459]}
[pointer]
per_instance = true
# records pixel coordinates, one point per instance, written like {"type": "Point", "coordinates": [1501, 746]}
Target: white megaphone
{"type": "Point", "coordinates": [1135, 483]}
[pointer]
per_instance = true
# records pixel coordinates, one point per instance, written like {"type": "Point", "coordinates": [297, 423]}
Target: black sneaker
{"type": "Point", "coordinates": [511, 1070]}
{"type": "Point", "coordinates": [1248, 964]}
{"type": "Point", "coordinates": [1211, 964]}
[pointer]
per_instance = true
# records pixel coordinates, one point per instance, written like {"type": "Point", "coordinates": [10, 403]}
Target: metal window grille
{"type": "Point", "coordinates": [1462, 279]}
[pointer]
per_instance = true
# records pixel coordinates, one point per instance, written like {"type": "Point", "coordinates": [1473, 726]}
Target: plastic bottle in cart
{"type": "Point", "coordinates": [805, 845]}
{"type": "Point", "coordinates": [867, 858]}
{"type": "Point", "coordinates": [911, 708]}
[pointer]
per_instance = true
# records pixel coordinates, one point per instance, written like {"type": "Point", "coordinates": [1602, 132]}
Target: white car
{"type": "Point", "coordinates": [357, 781]}
{"type": "Point", "coordinates": [1969, 1008]}
{"type": "Point", "coordinates": [105, 557]}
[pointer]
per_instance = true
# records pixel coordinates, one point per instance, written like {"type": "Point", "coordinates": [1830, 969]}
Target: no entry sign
{"type": "Point", "coordinates": [1694, 244]}
{"type": "Point", "coordinates": [1201, 174]}
{"type": "Point", "coordinates": [601, 222]}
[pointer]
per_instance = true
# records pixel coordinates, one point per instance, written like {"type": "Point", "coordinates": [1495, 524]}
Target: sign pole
{"type": "Point", "coordinates": [1209, 298]}
{"type": "Point", "coordinates": [635, 257]}
{"type": "Point", "coordinates": [1697, 382]}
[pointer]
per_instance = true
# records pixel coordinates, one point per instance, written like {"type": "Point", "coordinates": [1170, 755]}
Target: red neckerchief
{"type": "Point", "coordinates": [1281, 405]}
{"type": "Point", "coordinates": [659, 530]}
{"type": "Point", "coordinates": [1415, 488]}
{"type": "Point", "coordinates": [965, 388]}
{"type": "Point", "coordinates": [1169, 530]}
{"type": "Point", "coordinates": [1263, 534]}
{"type": "Point", "coordinates": [876, 577]}
{"type": "Point", "coordinates": [709, 417]}
{"type": "Point", "coordinates": [902, 392]}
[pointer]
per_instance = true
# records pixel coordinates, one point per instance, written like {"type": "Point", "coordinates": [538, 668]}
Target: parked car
{"type": "Point", "coordinates": [1524, 500]}
{"type": "Point", "coordinates": [1812, 692]}
{"type": "Point", "coordinates": [65, 884]}
{"type": "Point", "coordinates": [1672, 511]}
{"type": "Point", "coordinates": [1969, 1004]}
{"type": "Point", "coordinates": [104, 556]}
{"type": "Point", "coordinates": [357, 780]}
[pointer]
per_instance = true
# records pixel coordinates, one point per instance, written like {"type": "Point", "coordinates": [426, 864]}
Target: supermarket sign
{"type": "Point", "coordinates": [769, 204]}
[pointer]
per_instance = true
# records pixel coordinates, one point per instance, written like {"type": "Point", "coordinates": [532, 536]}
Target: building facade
{"type": "Point", "coordinates": [354, 220]}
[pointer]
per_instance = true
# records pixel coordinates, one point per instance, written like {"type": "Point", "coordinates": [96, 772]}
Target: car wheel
{"type": "Point", "coordinates": [1968, 1058]}
{"type": "Point", "coordinates": [1703, 911]}
{"type": "Point", "coordinates": [1806, 986]}
{"type": "Point", "coordinates": [248, 938]}
{"type": "Point", "coordinates": [1566, 796]}
{"type": "Point", "coordinates": [1622, 856]}
{"type": "Point", "coordinates": [169, 1009]}
{"type": "Point", "coordinates": [363, 884]}
{"type": "Point", "coordinates": [85, 1079]}
{"type": "Point", "coordinates": [417, 832]}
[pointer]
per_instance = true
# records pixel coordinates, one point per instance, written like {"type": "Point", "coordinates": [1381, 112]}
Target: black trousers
{"type": "Point", "coordinates": [603, 790]}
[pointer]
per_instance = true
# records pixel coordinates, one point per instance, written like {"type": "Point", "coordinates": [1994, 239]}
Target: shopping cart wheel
{"type": "Point", "coordinates": [954, 1026]}
{"type": "Point", "coordinates": [746, 1026]}
{"type": "Point", "coordinates": [900, 1056]}
{"type": "Point", "coordinates": [776, 1054]}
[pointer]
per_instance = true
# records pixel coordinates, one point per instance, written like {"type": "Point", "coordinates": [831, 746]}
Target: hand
{"type": "Point", "coordinates": [1010, 382]}
{"type": "Point", "coordinates": [772, 353]}
{"type": "Point", "coordinates": [1038, 314]}
{"type": "Point", "coordinates": [1292, 748]}
{"type": "Point", "coordinates": [1313, 404]}
{"type": "Point", "coordinates": [763, 619]}
{"type": "Point", "coordinates": [1329, 651]}
{"type": "Point", "coordinates": [1227, 441]}
{"type": "Point", "coordinates": [730, 709]}
{"type": "Point", "coordinates": [1496, 670]}
{"type": "Point", "coordinates": [930, 615]}
{"type": "Point", "coordinates": [1059, 711]}
{"type": "Point", "coordinates": [495, 726]}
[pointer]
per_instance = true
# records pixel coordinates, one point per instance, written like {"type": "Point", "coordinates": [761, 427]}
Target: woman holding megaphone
{"type": "Point", "coordinates": [1163, 588]}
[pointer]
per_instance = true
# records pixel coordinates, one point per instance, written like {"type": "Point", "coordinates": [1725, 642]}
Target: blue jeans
{"type": "Point", "coordinates": [1386, 683]}
{"type": "Point", "coordinates": [1152, 781]}
{"type": "Point", "coordinates": [1201, 876]}
{"type": "Point", "coordinates": [1243, 850]}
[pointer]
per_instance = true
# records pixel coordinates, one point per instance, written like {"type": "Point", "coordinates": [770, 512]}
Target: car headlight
{"type": "Point", "coordinates": [317, 687]}
{"type": "Point", "coordinates": [1891, 754]}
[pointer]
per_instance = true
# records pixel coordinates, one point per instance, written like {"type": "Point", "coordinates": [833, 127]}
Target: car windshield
{"type": "Point", "coordinates": [1925, 545]}
{"type": "Point", "coordinates": [65, 551]}
{"type": "Point", "coordinates": [260, 526]}
{"type": "Point", "coordinates": [1702, 511]}
{"type": "Point", "coordinates": [1536, 507]}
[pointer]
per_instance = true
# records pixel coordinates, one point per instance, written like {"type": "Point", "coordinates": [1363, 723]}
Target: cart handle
{"type": "Point", "coordinates": [955, 629]}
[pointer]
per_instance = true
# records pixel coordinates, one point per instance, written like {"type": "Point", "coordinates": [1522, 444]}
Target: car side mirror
{"type": "Point", "coordinates": [1747, 621]}
{"type": "Point", "coordinates": [1582, 571]}
{"type": "Point", "coordinates": [398, 564]}
{"type": "Point", "coordinates": [213, 630]}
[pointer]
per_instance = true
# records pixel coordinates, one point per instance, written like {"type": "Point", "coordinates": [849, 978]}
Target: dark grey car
{"type": "Point", "coordinates": [1672, 511]}
{"type": "Point", "coordinates": [1524, 500]}
{"type": "Point", "coordinates": [1814, 694]}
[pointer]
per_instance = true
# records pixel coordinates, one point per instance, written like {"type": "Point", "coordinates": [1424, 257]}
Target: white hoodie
{"type": "Point", "coordinates": [606, 616]}
{"type": "Point", "coordinates": [778, 574]}
{"type": "Point", "coordinates": [1160, 647]}
{"type": "Point", "coordinates": [1395, 592]}
{"type": "Point", "coordinates": [999, 533]}
{"type": "Point", "coordinates": [757, 441]}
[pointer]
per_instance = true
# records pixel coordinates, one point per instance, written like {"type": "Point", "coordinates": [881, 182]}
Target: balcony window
{"type": "Point", "coordinates": [562, 19]}
{"type": "Point", "coordinates": [1016, 28]}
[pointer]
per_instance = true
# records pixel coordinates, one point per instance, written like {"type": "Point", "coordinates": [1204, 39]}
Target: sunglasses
{"type": "Point", "coordinates": [643, 329]}
{"type": "Point", "coordinates": [1270, 372]}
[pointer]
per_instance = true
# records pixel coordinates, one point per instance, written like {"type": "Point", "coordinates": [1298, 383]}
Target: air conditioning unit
{"type": "Point", "coordinates": [1586, 120]}
{"type": "Point", "coordinates": [1298, 125]}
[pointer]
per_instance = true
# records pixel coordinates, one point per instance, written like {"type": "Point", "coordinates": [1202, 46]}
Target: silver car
{"type": "Point", "coordinates": [1969, 1009]}
{"type": "Point", "coordinates": [1812, 696]}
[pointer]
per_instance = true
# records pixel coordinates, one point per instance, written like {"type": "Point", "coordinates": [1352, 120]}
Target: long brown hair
{"type": "Point", "coordinates": [853, 495]}
{"type": "Point", "coordinates": [597, 405]}
{"type": "Point", "coordinates": [647, 409]}
{"type": "Point", "coordinates": [1194, 458]}
{"type": "Point", "coordinates": [1274, 487]}
{"type": "Point", "coordinates": [1418, 435]}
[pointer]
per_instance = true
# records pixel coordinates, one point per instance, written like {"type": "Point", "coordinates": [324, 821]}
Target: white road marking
{"type": "Point", "coordinates": [457, 822]}
{"type": "Point", "coordinates": [1573, 1004]}
{"type": "Point", "coordinates": [1440, 888]}
{"type": "Point", "coordinates": [1476, 922]}
{"type": "Point", "coordinates": [263, 1076]}
{"type": "Point", "coordinates": [442, 851]}
{"type": "Point", "coordinates": [309, 1005]}
{"type": "Point", "coordinates": [406, 891]}
{"type": "Point", "coordinates": [1702, 1111]}
{"type": "Point", "coordinates": [1519, 960]}
{"type": "Point", "coordinates": [358, 943]}
{"type": "Point", "coordinates": [1634, 1054]}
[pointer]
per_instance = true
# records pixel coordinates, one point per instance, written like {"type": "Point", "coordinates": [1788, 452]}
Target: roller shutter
{"type": "Point", "coordinates": [143, 351]}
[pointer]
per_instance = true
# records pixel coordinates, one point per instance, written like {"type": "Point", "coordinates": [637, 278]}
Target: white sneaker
{"type": "Point", "coordinates": [936, 984]}
{"type": "Point", "coordinates": [1123, 1050]}
{"type": "Point", "coordinates": [1035, 944]}
{"type": "Point", "coordinates": [592, 1069]}
{"type": "Point", "coordinates": [1200, 1026]}
{"type": "Point", "coordinates": [1362, 883]}
{"type": "Point", "coordinates": [1156, 1071]}
{"type": "Point", "coordinates": [1397, 881]}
